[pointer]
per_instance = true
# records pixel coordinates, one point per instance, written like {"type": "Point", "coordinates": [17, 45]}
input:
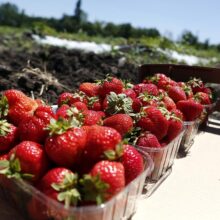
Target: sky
{"type": "Point", "coordinates": [170, 17]}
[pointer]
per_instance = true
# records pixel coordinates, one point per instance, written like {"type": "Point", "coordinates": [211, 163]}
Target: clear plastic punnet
{"type": "Point", "coordinates": [34, 205]}
{"type": "Point", "coordinates": [163, 157]}
{"type": "Point", "coordinates": [191, 129]}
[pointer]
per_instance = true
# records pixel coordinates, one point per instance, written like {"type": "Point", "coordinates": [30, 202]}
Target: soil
{"type": "Point", "coordinates": [48, 72]}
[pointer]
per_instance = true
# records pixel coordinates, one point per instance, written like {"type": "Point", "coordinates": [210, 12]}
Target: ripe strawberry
{"type": "Point", "coordinates": [148, 139]}
{"type": "Point", "coordinates": [65, 144]}
{"type": "Point", "coordinates": [123, 123]}
{"type": "Point", "coordinates": [33, 128]}
{"type": "Point", "coordinates": [202, 98]}
{"type": "Point", "coordinates": [190, 109]}
{"type": "Point", "coordinates": [111, 84]}
{"type": "Point", "coordinates": [94, 103]}
{"type": "Point", "coordinates": [60, 184]}
{"type": "Point", "coordinates": [71, 98]}
{"type": "Point", "coordinates": [136, 105]}
{"type": "Point", "coordinates": [149, 88]}
{"type": "Point", "coordinates": [99, 140]}
{"type": "Point", "coordinates": [196, 84]}
{"type": "Point", "coordinates": [91, 117]}
{"type": "Point", "coordinates": [176, 93]}
{"type": "Point", "coordinates": [61, 112]}
{"type": "Point", "coordinates": [161, 80]}
{"type": "Point", "coordinates": [175, 127]}
{"type": "Point", "coordinates": [3, 157]}
{"type": "Point", "coordinates": [8, 136]}
{"type": "Point", "coordinates": [133, 163]}
{"type": "Point", "coordinates": [90, 89]}
{"type": "Point", "coordinates": [169, 103]}
{"type": "Point", "coordinates": [178, 114]}
{"type": "Point", "coordinates": [81, 106]}
{"type": "Point", "coordinates": [154, 121]}
{"type": "Point", "coordinates": [130, 93]}
{"type": "Point", "coordinates": [117, 103]}
{"type": "Point", "coordinates": [187, 89]}
{"type": "Point", "coordinates": [148, 100]}
{"type": "Point", "coordinates": [27, 158]}
{"type": "Point", "coordinates": [106, 179]}
{"type": "Point", "coordinates": [19, 105]}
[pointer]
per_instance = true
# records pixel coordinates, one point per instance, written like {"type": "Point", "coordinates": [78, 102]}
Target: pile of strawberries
{"type": "Point", "coordinates": [81, 153]}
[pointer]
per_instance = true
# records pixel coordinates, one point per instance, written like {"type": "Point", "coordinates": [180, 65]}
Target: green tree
{"type": "Point", "coordinates": [189, 38]}
{"type": "Point", "coordinates": [79, 14]}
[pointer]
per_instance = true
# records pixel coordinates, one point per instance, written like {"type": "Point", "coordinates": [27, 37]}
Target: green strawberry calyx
{"type": "Point", "coordinates": [93, 189]}
{"type": "Point", "coordinates": [12, 169]}
{"type": "Point", "coordinates": [67, 191]}
{"type": "Point", "coordinates": [114, 155]}
{"type": "Point", "coordinates": [5, 128]}
{"type": "Point", "coordinates": [118, 103]}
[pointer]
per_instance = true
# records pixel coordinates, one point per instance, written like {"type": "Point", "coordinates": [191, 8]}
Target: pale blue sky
{"type": "Point", "coordinates": [202, 17]}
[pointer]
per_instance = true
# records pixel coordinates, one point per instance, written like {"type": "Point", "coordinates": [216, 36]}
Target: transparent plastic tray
{"type": "Point", "coordinates": [163, 157]}
{"type": "Point", "coordinates": [191, 129]}
{"type": "Point", "coordinates": [34, 205]}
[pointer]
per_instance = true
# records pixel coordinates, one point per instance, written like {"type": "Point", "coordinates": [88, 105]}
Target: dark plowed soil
{"type": "Point", "coordinates": [48, 72]}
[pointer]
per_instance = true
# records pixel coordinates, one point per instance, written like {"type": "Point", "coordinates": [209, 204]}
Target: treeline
{"type": "Point", "coordinates": [11, 15]}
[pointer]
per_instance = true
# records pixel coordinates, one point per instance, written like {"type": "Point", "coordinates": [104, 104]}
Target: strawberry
{"type": "Point", "coordinates": [66, 143]}
{"type": "Point", "coordinates": [61, 112]}
{"type": "Point", "coordinates": [81, 106]}
{"type": "Point", "coordinates": [111, 84]}
{"type": "Point", "coordinates": [123, 123]}
{"type": "Point", "coordinates": [133, 163]}
{"type": "Point", "coordinates": [106, 179]}
{"type": "Point", "coordinates": [190, 109]}
{"type": "Point", "coordinates": [148, 100]}
{"type": "Point", "coordinates": [90, 89]}
{"type": "Point", "coordinates": [8, 135]}
{"type": "Point", "coordinates": [148, 139]}
{"type": "Point", "coordinates": [196, 84]}
{"type": "Point", "coordinates": [187, 89]}
{"type": "Point", "coordinates": [71, 98]}
{"type": "Point", "coordinates": [94, 103]}
{"type": "Point", "coordinates": [91, 117]}
{"type": "Point", "coordinates": [154, 121]}
{"type": "Point", "coordinates": [136, 105]}
{"type": "Point", "coordinates": [169, 103]}
{"type": "Point", "coordinates": [99, 140]}
{"type": "Point", "coordinates": [130, 93]}
{"type": "Point", "coordinates": [202, 98]}
{"type": "Point", "coordinates": [19, 105]}
{"type": "Point", "coordinates": [117, 103]}
{"type": "Point", "coordinates": [3, 157]}
{"type": "Point", "coordinates": [27, 158]}
{"type": "Point", "coordinates": [32, 128]}
{"type": "Point", "coordinates": [60, 184]}
{"type": "Point", "coordinates": [149, 88]}
{"type": "Point", "coordinates": [175, 127]}
{"type": "Point", "coordinates": [176, 93]}
{"type": "Point", "coordinates": [161, 80]}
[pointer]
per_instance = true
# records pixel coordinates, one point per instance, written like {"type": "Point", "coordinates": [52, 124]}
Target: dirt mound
{"type": "Point", "coordinates": [54, 70]}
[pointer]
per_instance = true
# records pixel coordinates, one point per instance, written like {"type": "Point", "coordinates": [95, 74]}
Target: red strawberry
{"type": "Point", "coordinates": [61, 112]}
{"type": "Point", "coordinates": [136, 105]}
{"type": "Point", "coordinates": [148, 139]}
{"type": "Point", "coordinates": [150, 89]}
{"type": "Point", "coordinates": [66, 143]}
{"type": "Point", "coordinates": [19, 105]}
{"type": "Point", "coordinates": [58, 184]}
{"type": "Point", "coordinates": [133, 163]}
{"type": "Point", "coordinates": [123, 123]}
{"type": "Point", "coordinates": [202, 98]}
{"type": "Point", "coordinates": [117, 103]}
{"type": "Point", "coordinates": [178, 114]}
{"type": "Point", "coordinates": [196, 84]}
{"type": "Point", "coordinates": [81, 106]}
{"type": "Point", "coordinates": [187, 89]}
{"type": "Point", "coordinates": [94, 103]}
{"type": "Point", "coordinates": [154, 121]}
{"type": "Point", "coordinates": [91, 117]}
{"type": "Point", "coordinates": [175, 127]}
{"type": "Point", "coordinates": [190, 109]}
{"type": "Point", "coordinates": [148, 100]}
{"type": "Point", "coordinates": [90, 89]}
{"type": "Point", "coordinates": [28, 158]}
{"type": "Point", "coordinates": [8, 135]}
{"type": "Point", "coordinates": [3, 157]}
{"type": "Point", "coordinates": [65, 98]}
{"type": "Point", "coordinates": [111, 84]}
{"type": "Point", "coordinates": [99, 140]}
{"type": "Point", "coordinates": [176, 93]}
{"type": "Point", "coordinates": [130, 93]}
{"type": "Point", "coordinates": [33, 128]}
{"type": "Point", "coordinates": [169, 103]}
{"type": "Point", "coordinates": [106, 179]}
{"type": "Point", "coordinates": [59, 181]}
